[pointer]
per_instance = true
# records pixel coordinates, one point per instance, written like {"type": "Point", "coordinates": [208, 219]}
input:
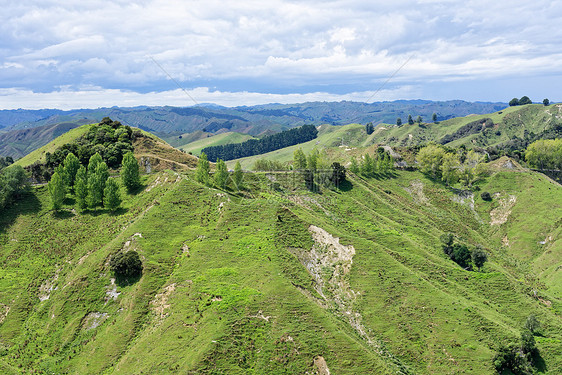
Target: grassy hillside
{"type": "Point", "coordinates": [50, 147]}
{"type": "Point", "coordinates": [151, 151]}
{"type": "Point", "coordinates": [281, 280]}
{"type": "Point", "coordinates": [513, 122]}
{"type": "Point", "coordinates": [195, 147]}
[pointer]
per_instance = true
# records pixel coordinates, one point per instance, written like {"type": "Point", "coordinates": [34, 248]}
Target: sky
{"type": "Point", "coordinates": [97, 53]}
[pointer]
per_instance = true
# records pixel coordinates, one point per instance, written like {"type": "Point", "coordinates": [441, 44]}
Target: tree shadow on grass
{"type": "Point", "coordinates": [539, 363]}
{"type": "Point", "coordinates": [126, 281]}
{"type": "Point", "coordinates": [345, 186]}
{"type": "Point", "coordinates": [63, 214]}
{"type": "Point", "coordinates": [28, 204]}
{"type": "Point", "coordinates": [119, 211]}
{"type": "Point", "coordinates": [140, 188]}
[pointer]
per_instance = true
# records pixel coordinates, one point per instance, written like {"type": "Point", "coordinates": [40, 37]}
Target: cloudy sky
{"type": "Point", "coordinates": [70, 54]}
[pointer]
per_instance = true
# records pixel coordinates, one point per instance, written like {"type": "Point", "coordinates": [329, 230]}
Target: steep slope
{"type": "Point", "coordinates": [195, 147]}
{"type": "Point", "coordinates": [518, 125]}
{"type": "Point", "coordinates": [282, 280]}
{"type": "Point", "coordinates": [151, 151]}
{"type": "Point", "coordinates": [18, 143]}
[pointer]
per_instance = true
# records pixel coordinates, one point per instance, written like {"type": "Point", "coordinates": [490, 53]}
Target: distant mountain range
{"type": "Point", "coordinates": [254, 120]}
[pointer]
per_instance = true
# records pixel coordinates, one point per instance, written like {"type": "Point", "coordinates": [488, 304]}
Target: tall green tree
{"type": "Point", "coordinates": [430, 159]}
{"type": "Point", "coordinates": [410, 120]}
{"type": "Point", "coordinates": [434, 117]}
{"type": "Point", "coordinates": [449, 168]}
{"type": "Point", "coordinates": [354, 167]}
{"type": "Point", "coordinates": [81, 187]}
{"type": "Point", "coordinates": [57, 191]}
{"type": "Point", "coordinates": [312, 160]}
{"type": "Point", "coordinates": [71, 165]}
{"type": "Point", "coordinates": [95, 159]}
{"type": "Point", "coordinates": [369, 128]}
{"type": "Point", "coordinates": [96, 185]}
{"type": "Point", "coordinates": [221, 174]}
{"type": "Point", "coordinates": [419, 120]}
{"type": "Point", "coordinates": [111, 196]}
{"type": "Point", "coordinates": [545, 102]}
{"type": "Point", "coordinates": [237, 176]}
{"type": "Point", "coordinates": [299, 159]}
{"type": "Point", "coordinates": [203, 168]}
{"type": "Point", "coordinates": [13, 183]}
{"type": "Point", "coordinates": [130, 173]}
{"type": "Point", "coordinates": [399, 121]}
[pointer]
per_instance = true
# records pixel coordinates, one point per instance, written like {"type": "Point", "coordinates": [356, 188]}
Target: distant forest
{"type": "Point", "coordinates": [260, 146]}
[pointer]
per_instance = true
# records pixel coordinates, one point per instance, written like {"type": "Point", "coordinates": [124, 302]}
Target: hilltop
{"type": "Point", "coordinates": [278, 279]}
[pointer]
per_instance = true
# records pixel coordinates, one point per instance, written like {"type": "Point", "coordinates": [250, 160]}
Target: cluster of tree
{"type": "Point", "coordinates": [451, 166]}
{"type": "Point", "coordinates": [221, 178]}
{"type": "Point", "coordinates": [5, 161]}
{"type": "Point", "coordinates": [270, 165]}
{"type": "Point", "coordinates": [524, 100]}
{"type": "Point", "coordinates": [520, 357]}
{"type": "Point", "coordinates": [460, 254]}
{"type": "Point", "coordinates": [545, 154]}
{"type": "Point", "coordinates": [419, 120]}
{"type": "Point", "coordinates": [369, 128]}
{"type": "Point", "coordinates": [316, 169]}
{"type": "Point", "coordinates": [260, 146]}
{"type": "Point", "coordinates": [13, 183]}
{"type": "Point", "coordinates": [92, 186]}
{"type": "Point", "coordinates": [380, 164]}
{"type": "Point", "coordinates": [110, 139]}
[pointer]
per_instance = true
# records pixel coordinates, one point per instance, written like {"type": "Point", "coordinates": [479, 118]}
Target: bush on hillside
{"type": "Point", "coordinates": [126, 266]}
{"type": "Point", "coordinates": [486, 196]}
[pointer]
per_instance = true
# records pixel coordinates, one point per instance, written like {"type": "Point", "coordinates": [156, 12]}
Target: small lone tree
{"type": "Point", "coordinates": [130, 173]}
{"type": "Point", "coordinates": [111, 195]}
{"type": "Point", "coordinates": [513, 102]}
{"type": "Point", "coordinates": [545, 102]}
{"type": "Point", "coordinates": [419, 120]}
{"type": "Point", "coordinates": [486, 196]}
{"type": "Point", "coordinates": [221, 174]}
{"type": "Point", "coordinates": [237, 176]}
{"type": "Point", "coordinates": [434, 117]}
{"type": "Point", "coordinates": [203, 168]}
{"type": "Point", "coordinates": [399, 121]}
{"type": "Point", "coordinates": [57, 191]}
{"type": "Point", "coordinates": [369, 128]}
{"type": "Point", "coordinates": [410, 120]}
{"type": "Point", "coordinates": [479, 257]}
{"type": "Point", "coordinates": [126, 266]}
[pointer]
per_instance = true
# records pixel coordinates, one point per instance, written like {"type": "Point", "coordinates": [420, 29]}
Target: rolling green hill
{"type": "Point", "coordinates": [195, 147]}
{"type": "Point", "coordinates": [276, 279]}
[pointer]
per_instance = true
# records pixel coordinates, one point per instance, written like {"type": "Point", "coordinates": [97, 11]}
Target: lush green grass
{"type": "Point", "coordinates": [39, 154]}
{"type": "Point", "coordinates": [223, 292]}
{"type": "Point", "coordinates": [329, 138]}
{"type": "Point", "coordinates": [195, 147]}
{"type": "Point", "coordinates": [508, 123]}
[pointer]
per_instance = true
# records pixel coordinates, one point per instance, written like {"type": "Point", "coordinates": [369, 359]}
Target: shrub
{"type": "Point", "coordinates": [486, 196]}
{"type": "Point", "coordinates": [126, 265]}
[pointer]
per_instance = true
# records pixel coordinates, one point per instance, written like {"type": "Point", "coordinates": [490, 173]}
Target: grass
{"type": "Point", "coordinates": [50, 147]}
{"type": "Point", "coordinates": [195, 147]}
{"type": "Point", "coordinates": [223, 290]}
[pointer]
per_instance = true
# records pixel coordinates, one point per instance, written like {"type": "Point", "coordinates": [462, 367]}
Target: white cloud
{"type": "Point", "coordinates": [93, 97]}
{"type": "Point", "coordinates": [353, 43]}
